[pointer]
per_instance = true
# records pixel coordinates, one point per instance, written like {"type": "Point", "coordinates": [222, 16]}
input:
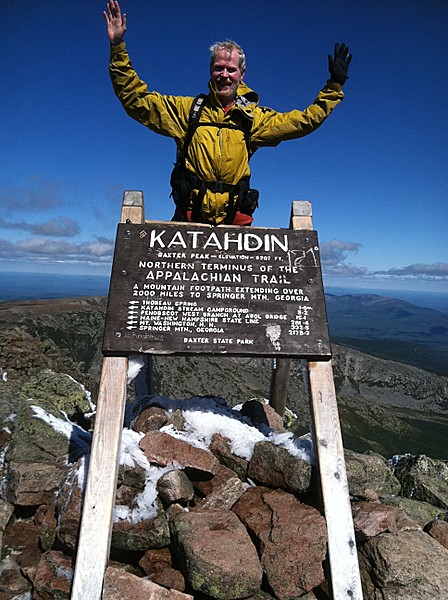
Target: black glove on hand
{"type": "Point", "coordinates": [338, 65]}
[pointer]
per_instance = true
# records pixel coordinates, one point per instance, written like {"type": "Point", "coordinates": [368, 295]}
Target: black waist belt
{"type": "Point", "coordinates": [219, 187]}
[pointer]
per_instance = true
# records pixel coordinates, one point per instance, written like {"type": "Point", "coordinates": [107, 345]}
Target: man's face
{"type": "Point", "coordinates": [225, 75]}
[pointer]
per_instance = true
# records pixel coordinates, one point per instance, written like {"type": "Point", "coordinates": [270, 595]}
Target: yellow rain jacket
{"type": "Point", "coordinates": [216, 154]}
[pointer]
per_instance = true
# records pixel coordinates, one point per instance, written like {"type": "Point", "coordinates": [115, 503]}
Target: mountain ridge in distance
{"type": "Point", "coordinates": [390, 328]}
{"type": "Point", "coordinates": [385, 406]}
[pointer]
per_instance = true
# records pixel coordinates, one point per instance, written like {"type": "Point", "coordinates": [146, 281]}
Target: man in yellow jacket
{"type": "Point", "coordinates": [211, 180]}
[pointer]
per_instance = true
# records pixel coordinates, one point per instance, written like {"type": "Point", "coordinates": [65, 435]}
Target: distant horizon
{"type": "Point", "coordinates": [51, 285]}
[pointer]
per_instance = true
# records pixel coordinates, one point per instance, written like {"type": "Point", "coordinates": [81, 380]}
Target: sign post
{"type": "Point", "coordinates": [99, 498]}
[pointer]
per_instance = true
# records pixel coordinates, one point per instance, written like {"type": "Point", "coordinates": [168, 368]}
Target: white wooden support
{"type": "Point", "coordinates": [342, 552]}
{"type": "Point", "coordinates": [96, 523]}
{"type": "Point", "coordinates": [327, 440]}
{"type": "Point", "coordinates": [300, 219]}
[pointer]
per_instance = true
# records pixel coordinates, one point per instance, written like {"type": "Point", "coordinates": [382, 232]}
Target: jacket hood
{"type": "Point", "coordinates": [245, 94]}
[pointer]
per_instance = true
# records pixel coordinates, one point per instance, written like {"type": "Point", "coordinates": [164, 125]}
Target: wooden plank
{"type": "Point", "coordinates": [327, 437]}
{"type": "Point", "coordinates": [96, 523]}
{"type": "Point", "coordinates": [279, 385]}
{"type": "Point", "coordinates": [343, 557]}
{"type": "Point", "coordinates": [132, 209]}
{"type": "Point", "coordinates": [99, 499]}
{"type": "Point", "coordinates": [301, 218]}
{"type": "Point", "coordinates": [301, 215]}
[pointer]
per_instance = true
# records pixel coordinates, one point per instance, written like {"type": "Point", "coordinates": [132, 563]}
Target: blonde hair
{"type": "Point", "coordinates": [229, 46]}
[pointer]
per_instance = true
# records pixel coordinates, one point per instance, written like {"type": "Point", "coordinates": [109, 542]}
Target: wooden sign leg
{"type": "Point", "coordinates": [301, 218]}
{"type": "Point", "coordinates": [99, 499]}
{"type": "Point", "coordinates": [279, 385]}
{"type": "Point", "coordinates": [342, 552]}
{"type": "Point", "coordinates": [327, 439]}
{"type": "Point", "coordinates": [96, 524]}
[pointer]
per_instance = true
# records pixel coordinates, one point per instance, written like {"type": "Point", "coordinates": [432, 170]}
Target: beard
{"type": "Point", "coordinates": [225, 90]}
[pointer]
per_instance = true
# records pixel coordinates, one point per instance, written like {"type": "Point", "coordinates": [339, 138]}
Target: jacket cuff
{"type": "Point", "coordinates": [118, 48]}
{"type": "Point", "coordinates": [337, 87]}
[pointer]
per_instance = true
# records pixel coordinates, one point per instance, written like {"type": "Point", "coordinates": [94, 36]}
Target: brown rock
{"type": "Point", "coordinates": [12, 582]}
{"type": "Point", "coordinates": [175, 486]}
{"type": "Point", "coordinates": [54, 577]}
{"type": "Point", "coordinates": [6, 512]}
{"type": "Point", "coordinates": [23, 537]}
{"type": "Point", "coordinates": [170, 578]}
{"type": "Point", "coordinates": [126, 496]}
{"type": "Point", "coordinates": [370, 476]}
{"type": "Point", "coordinates": [409, 565]}
{"type": "Point", "coordinates": [34, 483]}
{"type": "Point", "coordinates": [158, 564]}
{"type": "Point", "coordinates": [291, 539]}
{"type": "Point", "coordinates": [163, 449]}
{"type": "Point", "coordinates": [132, 476]}
{"type": "Point", "coordinates": [45, 517]}
{"type": "Point", "coordinates": [148, 533]}
{"type": "Point", "coordinates": [177, 420]}
{"type": "Point", "coordinates": [274, 466]}
{"type": "Point", "coordinates": [119, 585]}
{"type": "Point", "coordinates": [438, 530]}
{"type": "Point", "coordinates": [220, 447]}
{"type": "Point", "coordinates": [69, 507]}
{"type": "Point", "coordinates": [156, 560]}
{"type": "Point", "coordinates": [173, 510]}
{"type": "Point", "coordinates": [22, 534]}
{"type": "Point", "coordinates": [262, 414]}
{"type": "Point", "coordinates": [209, 485]}
{"type": "Point", "coordinates": [5, 438]}
{"type": "Point", "coordinates": [216, 554]}
{"type": "Point", "coordinates": [151, 419]}
{"type": "Point", "coordinates": [371, 519]}
{"type": "Point", "coordinates": [224, 495]}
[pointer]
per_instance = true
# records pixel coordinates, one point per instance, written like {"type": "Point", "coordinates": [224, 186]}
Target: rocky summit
{"type": "Point", "coordinates": [216, 498]}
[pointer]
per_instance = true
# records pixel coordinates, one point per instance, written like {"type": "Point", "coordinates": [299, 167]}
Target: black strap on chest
{"type": "Point", "coordinates": [183, 181]}
{"type": "Point", "coordinates": [194, 122]}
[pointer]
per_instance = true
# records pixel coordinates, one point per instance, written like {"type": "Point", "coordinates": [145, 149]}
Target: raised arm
{"type": "Point", "coordinates": [115, 22]}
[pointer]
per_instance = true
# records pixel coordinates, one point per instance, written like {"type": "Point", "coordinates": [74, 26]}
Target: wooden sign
{"type": "Point", "coordinates": [181, 289]}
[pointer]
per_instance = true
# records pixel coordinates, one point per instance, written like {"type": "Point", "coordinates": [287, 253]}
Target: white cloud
{"type": "Point", "coordinates": [335, 252]}
{"type": "Point", "coordinates": [57, 227]}
{"type": "Point", "coordinates": [52, 250]}
{"type": "Point", "coordinates": [435, 271]}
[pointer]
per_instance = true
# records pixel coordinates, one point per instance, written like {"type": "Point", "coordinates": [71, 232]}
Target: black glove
{"type": "Point", "coordinates": [338, 65]}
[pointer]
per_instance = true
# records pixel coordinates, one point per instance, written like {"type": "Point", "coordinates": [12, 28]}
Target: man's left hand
{"type": "Point", "coordinates": [339, 63]}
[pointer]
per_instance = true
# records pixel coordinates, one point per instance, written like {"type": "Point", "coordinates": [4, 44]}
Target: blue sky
{"type": "Point", "coordinates": [376, 171]}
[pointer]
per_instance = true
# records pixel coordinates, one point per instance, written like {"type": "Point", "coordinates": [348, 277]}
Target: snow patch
{"type": "Point", "coordinates": [146, 501]}
{"type": "Point", "coordinates": [135, 364]}
{"type": "Point", "coordinates": [87, 394]}
{"type": "Point", "coordinates": [203, 417]}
